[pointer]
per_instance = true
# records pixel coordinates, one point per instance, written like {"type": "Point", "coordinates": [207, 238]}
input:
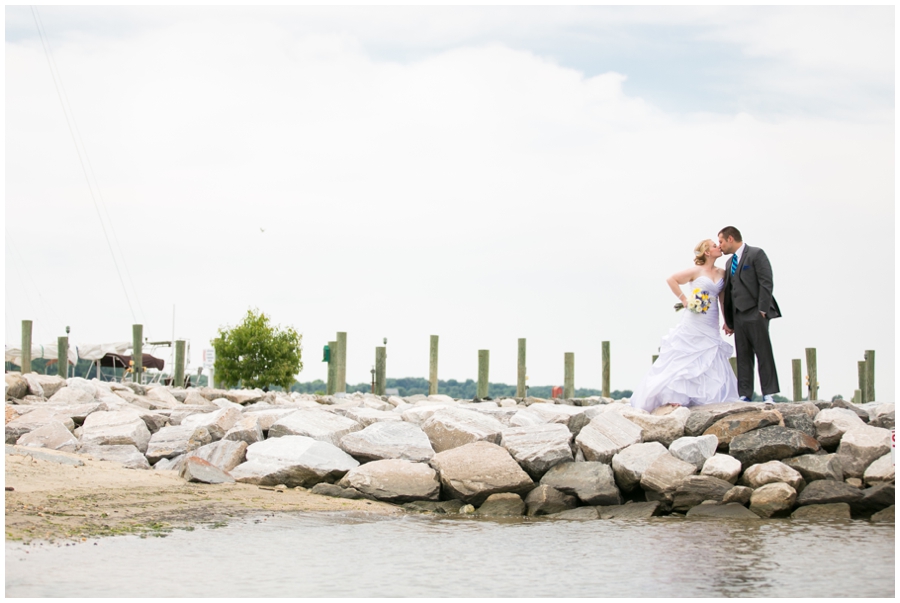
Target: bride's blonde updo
{"type": "Point", "coordinates": [700, 252]}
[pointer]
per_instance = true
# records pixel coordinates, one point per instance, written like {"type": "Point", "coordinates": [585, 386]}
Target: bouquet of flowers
{"type": "Point", "coordinates": [698, 304]}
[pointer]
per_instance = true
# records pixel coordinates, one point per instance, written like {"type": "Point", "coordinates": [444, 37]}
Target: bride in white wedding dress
{"type": "Point", "coordinates": [693, 368]}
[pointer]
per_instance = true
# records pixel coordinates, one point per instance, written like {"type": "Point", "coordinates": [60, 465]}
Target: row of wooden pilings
{"type": "Point", "coordinates": [137, 335]}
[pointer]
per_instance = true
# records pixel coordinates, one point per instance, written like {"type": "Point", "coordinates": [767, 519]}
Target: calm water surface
{"type": "Point", "coordinates": [340, 555]}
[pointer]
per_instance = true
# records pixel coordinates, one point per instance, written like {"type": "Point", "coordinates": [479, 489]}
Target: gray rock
{"type": "Point", "coordinates": [884, 416]}
{"type": "Point", "coordinates": [631, 510]}
{"type": "Point", "coordinates": [335, 491]}
{"type": "Point", "coordinates": [394, 480]}
{"type": "Point", "coordinates": [702, 417]}
{"type": "Point", "coordinates": [115, 428]}
{"type": "Point", "coordinates": [695, 489]}
{"type": "Point", "coordinates": [367, 416]}
{"type": "Point", "coordinates": [35, 419]}
{"type": "Point", "coordinates": [525, 417]}
{"type": "Point", "coordinates": [862, 446]}
{"type": "Point", "coordinates": [159, 397]}
{"type": "Point", "coordinates": [664, 429]}
{"type": "Point", "coordinates": [268, 417]}
{"type": "Point", "coordinates": [246, 429]}
{"type": "Point", "coordinates": [694, 450]}
{"type": "Point", "coordinates": [630, 463]}
{"type": "Point", "coordinates": [450, 428]}
{"type": "Point", "coordinates": [861, 413]}
{"type": "Point", "coordinates": [570, 416]}
{"type": "Point", "coordinates": [53, 435]}
{"type": "Point", "coordinates": [502, 504]}
{"type": "Point", "coordinates": [664, 475]}
{"type": "Point", "coordinates": [68, 396]}
{"type": "Point", "coordinates": [832, 423]}
{"type": "Point", "coordinates": [316, 424]}
{"type": "Point", "coordinates": [242, 396]}
{"type": "Point", "coordinates": [224, 454]}
{"type": "Point", "coordinates": [473, 472]}
{"type": "Point", "coordinates": [731, 510]}
{"type": "Point", "coordinates": [886, 516]}
{"type": "Point", "coordinates": [876, 498]}
{"type": "Point", "coordinates": [592, 482]}
{"type": "Point", "coordinates": [826, 511]}
{"type": "Point", "coordinates": [443, 507]}
{"type": "Point", "coordinates": [579, 514]}
{"type": "Point", "coordinates": [723, 466]}
{"type": "Point", "coordinates": [197, 470]}
{"type": "Point", "coordinates": [217, 423]}
{"type": "Point", "coordinates": [738, 494]}
{"type": "Point", "coordinates": [537, 448]}
{"type": "Point", "coordinates": [174, 440]}
{"type": "Point", "coordinates": [771, 444]}
{"type": "Point", "coordinates": [417, 415]}
{"type": "Point", "coordinates": [814, 467]}
{"type": "Point", "coordinates": [880, 471]}
{"type": "Point", "coordinates": [770, 473]}
{"type": "Point", "coordinates": [801, 422]}
{"type": "Point", "coordinates": [389, 440]}
{"type": "Point", "coordinates": [293, 461]}
{"type": "Point", "coordinates": [16, 386]}
{"type": "Point", "coordinates": [773, 500]}
{"type": "Point", "coordinates": [126, 455]}
{"type": "Point", "coordinates": [172, 464]}
{"type": "Point", "coordinates": [828, 491]}
{"type": "Point", "coordinates": [49, 384]}
{"type": "Point", "coordinates": [606, 435]}
{"type": "Point", "coordinates": [727, 428]}
{"type": "Point", "coordinates": [546, 500]}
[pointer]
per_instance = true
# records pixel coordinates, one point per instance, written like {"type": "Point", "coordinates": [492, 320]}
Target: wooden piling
{"type": "Point", "coordinates": [857, 396]}
{"type": "Point", "coordinates": [340, 369]}
{"type": "Point", "coordinates": [569, 376]}
{"type": "Point", "coordinates": [332, 363]}
{"type": "Point", "coordinates": [380, 369]}
{"type": "Point", "coordinates": [62, 362]}
{"type": "Point", "coordinates": [137, 352]}
{"type": "Point", "coordinates": [484, 357]}
{"type": "Point", "coordinates": [861, 378]}
{"type": "Point", "coordinates": [605, 348]}
{"type": "Point", "coordinates": [797, 370]}
{"type": "Point", "coordinates": [870, 376]}
{"type": "Point", "coordinates": [26, 346]}
{"type": "Point", "coordinates": [433, 366]}
{"type": "Point", "coordinates": [521, 390]}
{"type": "Point", "coordinates": [179, 364]}
{"type": "Point", "coordinates": [812, 375]}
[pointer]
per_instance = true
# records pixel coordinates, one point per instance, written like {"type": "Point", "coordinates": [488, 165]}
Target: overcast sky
{"type": "Point", "coordinates": [478, 173]}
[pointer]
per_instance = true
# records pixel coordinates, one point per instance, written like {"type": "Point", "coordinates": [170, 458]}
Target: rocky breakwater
{"type": "Point", "coordinates": [591, 458]}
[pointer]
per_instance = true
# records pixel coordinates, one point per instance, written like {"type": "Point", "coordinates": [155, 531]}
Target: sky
{"type": "Point", "coordinates": [483, 174]}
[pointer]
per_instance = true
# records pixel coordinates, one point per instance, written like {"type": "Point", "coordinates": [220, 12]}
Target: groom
{"type": "Point", "coordinates": [749, 306]}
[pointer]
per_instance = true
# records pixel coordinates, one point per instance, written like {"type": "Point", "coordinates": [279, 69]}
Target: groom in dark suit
{"type": "Point", "coordinates": [749, 306]}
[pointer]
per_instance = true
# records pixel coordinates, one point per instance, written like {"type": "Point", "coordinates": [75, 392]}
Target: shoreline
{"type": "Point", "coordinates": [62, 500]}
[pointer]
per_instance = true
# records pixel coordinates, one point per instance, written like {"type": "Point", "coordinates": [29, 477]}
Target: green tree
{"type": "Point", "coordinates": [256, 354]}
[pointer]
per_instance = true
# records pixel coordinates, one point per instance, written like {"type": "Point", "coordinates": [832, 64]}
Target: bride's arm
{"type": "Point", "coordinates": [681, 278]}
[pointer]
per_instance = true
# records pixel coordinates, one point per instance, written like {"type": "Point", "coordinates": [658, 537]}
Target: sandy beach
{"type": "Point", "coordinates": [54, 500]}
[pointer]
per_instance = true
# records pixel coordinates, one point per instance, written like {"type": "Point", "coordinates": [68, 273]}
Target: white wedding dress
{"type": "Point", "coordinates": [692, 368]}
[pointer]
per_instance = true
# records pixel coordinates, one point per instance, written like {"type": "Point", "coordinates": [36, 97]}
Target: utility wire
{"type": "Point", "coordinates": [82, 154]}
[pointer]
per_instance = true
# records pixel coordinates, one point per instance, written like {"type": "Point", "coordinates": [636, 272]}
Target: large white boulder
{"type": "Point", "coordinates": [862, 446]}
{"type": "Point", "coordinates": [316, 424]}
{"type": "Point", "coordinates": [606, 435]}
{"type": "Point", "coordinates": [217, 423]}
{"type": "Point", "coordinates": [630, 463]}
{"type": "Point", "coordinates": [394, 480]}
{"type": "Point", "coordinates": [293, 461]}
{"type": "Point", "coordinates": [694, 450]}
{"type": "Point", "coordinates": [454, 427]}
{"type": "Point", "coordinates": [538, 447]}
{"type": "Point", "coordinates": [473, 472]}
{"type": "Point", "coordinates": [722, 466]}
{"type": "Point", "coordinates": [772, 472]}
{"type": "Point", "coordinates": [175, 440]}
{"type": "Point", "coordinates": [119, 427]}
{"type": "Point", "coordinates": [832, 423]}
{"type": "Point", "coordinates": [389, 440]}
{"type": "Point", "coordinates": [53, 435]}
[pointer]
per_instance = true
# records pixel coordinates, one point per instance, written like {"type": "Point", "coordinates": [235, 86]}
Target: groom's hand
{"type": "Point", "coordinates": [727, 330]}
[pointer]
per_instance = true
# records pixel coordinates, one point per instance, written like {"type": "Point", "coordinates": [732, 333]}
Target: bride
{"type": "Point", "coordinates": [693, 367]}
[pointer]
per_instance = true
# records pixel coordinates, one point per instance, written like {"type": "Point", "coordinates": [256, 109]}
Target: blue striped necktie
{"type": "Point", "coordinates": [734, 264]}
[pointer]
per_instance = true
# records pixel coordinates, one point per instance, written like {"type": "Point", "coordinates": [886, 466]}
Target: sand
{"type": "Point", "coordinates": [52, 500]}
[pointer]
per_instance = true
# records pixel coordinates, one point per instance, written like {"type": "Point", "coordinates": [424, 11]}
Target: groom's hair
{"type": "Point", "coordinates": [731, 231]}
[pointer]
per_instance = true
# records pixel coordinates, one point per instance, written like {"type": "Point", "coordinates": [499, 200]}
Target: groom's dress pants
{"type": "Point", "coordinates": [751, 341]}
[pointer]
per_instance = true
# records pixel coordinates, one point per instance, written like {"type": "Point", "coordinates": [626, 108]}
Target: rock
{"type": "Point", "coordinates": [726, 428]}
{"type": "Point", "coordinates": [694, 450]}
{"type": "Point", "coordinates": [316, 424]}
{"type": "Point", "coordinates": [855, 482]}
{"type": "Point", "coordinates": [814, 467]}
{"type": "Point", "coordinates": [828, 491]}
{"type": "Point", "coordinates": [443, 507]}
{"type": "Point", "coordinates": [630, 463]}
{"type": "Point", "coordinates": [861, 413]}
{"type": "Point", "coordinates": [242, 396]}
{"type": "Point", "coordinates": [194, 398]}
{"type": "Point", "coordinates": [367, 416]}
{"type": "Point", "coordinates": [293, 461]}
{"type": "Point", "coordinates": [34, 419]}
{"type": "Point", "coordinates": [394, 480]}
{"type": "Point", "coordinates": [53, 435]}
{"type": "Point", "coordinates": [503, 504]}
{"type": "Point", "coordinates": [862, 446]}
{"type": "Point", "coordinates": [606, 435]}
{"type": "Point", "coordinates": [663, 429]}
{"type": "Point", "coordinates": [159, 397]}
{"type": "Point", "coordinates": [525, 417]}
{"type": "Point", "coordinates": [419, 414]}
{"type": "Point", "coordinates": [579, 514]}
{"type": "Point", "coordinates": [69, 396]}
{"type": "Point", "coordinates": [562, 414]}
{"type": "Point", "coordinates": [880, 471]}
{"type": "Point", "coordinates": [172, 464]}
{"type": "Point", "coordinates": [772, 472]}
{"type": "Point", "coordinates": [335, 491]}
{"type": "Point", "coordinates": [115, 428]}
{"type": "Point", "coordinates": [695, 489]}
{"type": "Point", "coordinates": [874, 499]}
{"type": "Point", "coordinates": [592, 482]}
{"type": "Point", "coordinates": [195, 469]}
{"type": "Point", "coordinates": [886, 516]}
{"type": "Point", "coordinates": [16, 386]}
{"type": "Point", "coordinates": [49, 384]}
{"type": "Point", "coordinates": [34, 386]}
{"type": "Point", "coordinates": [770, 444]}
{"type": "Point", "coordinates": [832, 423]}
{"type": "Point", "coordinates": [664, 475]}
{"type": "Point", "coordinates": [224, 454]}
{"type": "Point", "coordinates": [267, 418]}
{"type": "Point", "coordinates": [738, 494]}
{"type": "Point", "coordinates": [827, 511]}
{"type": "Point", "coordinates": [790, 409]}
{"type": "Point", "coordinates": [217, 423]}
{"type": "Point", "coordinates": [884, 416]}
{"type": "Point", "coordinates": [174, 440]}
{"type": "Point", "coordinates": [546, 500]}
{"type": "Point", "coordinates": [631, 510]}
{"type": "Point", "coordinates": [702, 417]}
{"type": "Point", "coordinates": [773, 500]}
{"type": "Point", "coordinates": [730, 510]}
{"type": "Point", "coordinates": [537, 448]}
{"type": "Point", "coordinates": [450, 428]}
{"type": "Point", "coordinates": [723, 466]}
{"type": "Point", "coordinates": [801, 422]}
{"type": "Point", "coordinates": [389, 440]}
{"type": "Point", "coordinates": [246, 429]}
{"type": "Point", "coordinates": [473, 472]}
{"type": "Point", "coordinates": [125, 454]}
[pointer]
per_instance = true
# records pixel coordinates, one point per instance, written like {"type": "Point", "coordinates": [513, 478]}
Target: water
{"type": "Point", "coordinates": [340, 555]}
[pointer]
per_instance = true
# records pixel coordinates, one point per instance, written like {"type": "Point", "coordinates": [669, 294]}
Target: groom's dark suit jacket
{"type": "Point", "coordinates": [750, 286]}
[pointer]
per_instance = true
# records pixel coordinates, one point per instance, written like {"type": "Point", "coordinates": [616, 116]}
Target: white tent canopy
{"type": "Point", "coordinates": [48, 352]}
{"type": "Point", "coordinates": [96, 351]}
